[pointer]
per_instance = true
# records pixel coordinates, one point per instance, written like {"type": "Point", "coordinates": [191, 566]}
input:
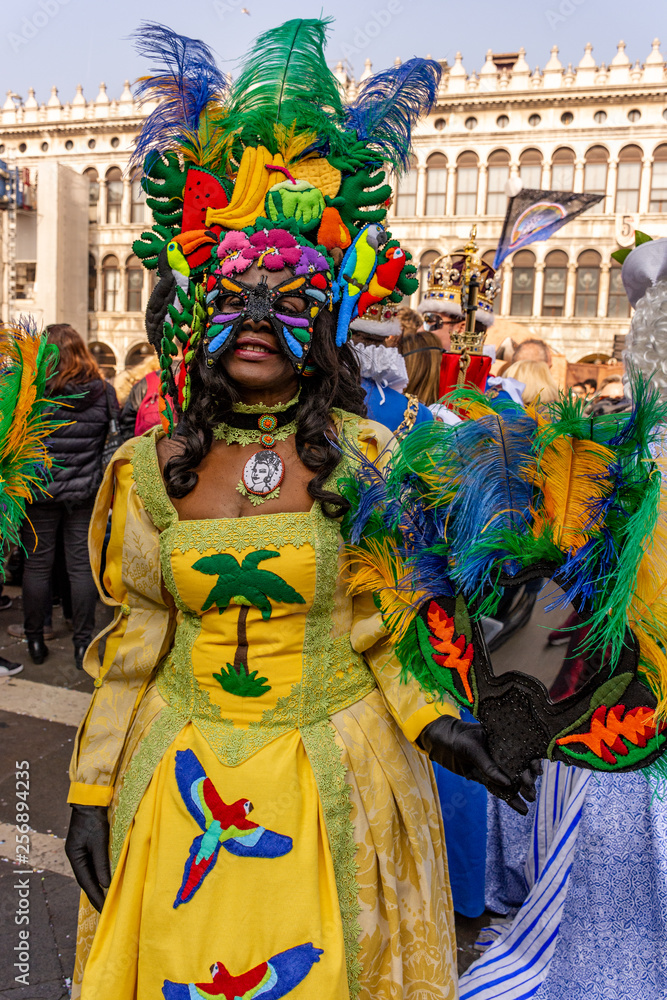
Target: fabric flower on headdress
{"type": "Point", "coordinates": [233, 253]}
{"type": "Point", "coordinates": [274, 249]}
{"type": "Point", "coordinates": [310, 261]}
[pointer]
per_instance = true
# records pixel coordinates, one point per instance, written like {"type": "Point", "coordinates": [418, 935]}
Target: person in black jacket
{"type": "Point", "coordinates": [77, 471]}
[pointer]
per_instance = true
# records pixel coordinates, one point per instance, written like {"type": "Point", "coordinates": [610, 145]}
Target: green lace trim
{"type": "Point", "coordinates": [241, 533]}
{"type": "Point", "coordinates": [149, 482]}
{"type": "Point", "coordinates": [261, 408]}
{"type": "Point", "coordinates": [329, 770]}
{"type": "Point", "coordinates": [242, 435]}
{"type": "Point", "coordinates": [254, 499]}
{"type": "Point", "coordinates": [152, 749]}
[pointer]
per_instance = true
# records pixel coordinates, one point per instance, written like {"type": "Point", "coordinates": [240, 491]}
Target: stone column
{"type": "Point", "coordinates": [450, 200]}
{"type": "Point", "coordinates": [603, 296]}
{"type": "Point", "coordinates": [125, 205]}
{"type": "Point", "coordinates": [506, 292]}
{"type": "Point", "coordinates": [578, 175]}
{"type": "Point", "coordinates": [538, 293]}
{"type": "Point", "coordinates": [482, 185]}
{"type": "Point", "coordinates": [420, 200]}
{"type": "Point", "coordinates": [102, 203]}
{"type": "Point", "coordinates": [546, 175]}
{"type": "Point", "coordinates": [645, 185]}
{"type": "Point", "coordinates": [570, 290]}
{"type": "Point", "coordinates": [609, 204]}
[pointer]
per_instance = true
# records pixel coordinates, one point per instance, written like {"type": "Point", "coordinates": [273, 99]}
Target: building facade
{"type": "Point", "coordinates": [597, 127]}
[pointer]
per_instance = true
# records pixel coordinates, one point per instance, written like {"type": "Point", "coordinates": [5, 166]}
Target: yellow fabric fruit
{"type": "Point", "coordinates": [252, 184]}
{"type": "Point", "coordinates": [319, 173]}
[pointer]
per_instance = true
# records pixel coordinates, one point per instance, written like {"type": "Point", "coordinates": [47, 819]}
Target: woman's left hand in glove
{"type": "Point", "coordinates": [461, 747]}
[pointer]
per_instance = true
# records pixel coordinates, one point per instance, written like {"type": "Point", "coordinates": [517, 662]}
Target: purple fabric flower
{"type": "Point", "coordinates": [310, 261]}
{"type": "Point", "coordinates": [233, 255]}
{"type": "Point", "coordinates": [274, 249]}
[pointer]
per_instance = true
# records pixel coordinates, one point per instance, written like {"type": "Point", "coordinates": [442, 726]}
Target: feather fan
{"type": "Point", "coordinates": [25, 422]}
{"type": "Point", "coordinates": [390, 103]}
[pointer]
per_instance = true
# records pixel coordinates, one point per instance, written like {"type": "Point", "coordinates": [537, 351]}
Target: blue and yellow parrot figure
{"type": "Point", "coordinates": [269, 980]}
{"type": "Point", "coordinates": [355, 272]}
{"type": "Point", "coordinates": [224, 825]}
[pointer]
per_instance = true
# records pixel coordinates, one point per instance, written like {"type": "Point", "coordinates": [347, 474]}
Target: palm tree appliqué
{"type": "Point", "coordinates": [248, 586]}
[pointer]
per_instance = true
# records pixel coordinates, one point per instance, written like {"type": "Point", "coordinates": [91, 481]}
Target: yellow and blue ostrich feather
{"type": "Point", "coordinates": [26, 361]}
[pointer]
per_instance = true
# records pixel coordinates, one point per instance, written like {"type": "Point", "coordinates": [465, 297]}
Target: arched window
{"type": "Point", "coordinates": [628, 179]}
{"type": "Point", "coordinates": [595, 176]}
{"type": "Point", "coordinates": [562, 169]}
{"type": "Point", "coordinates": [425, 261]}
{"type": "Point", "coordinates": [523, 283]}
{"type": "Point", "coordinates": [92, 283]}
{"type": "Point", "coordinates": [498, 173]}
{"type": "Point", "coordinates": [137, 354]}
{"type": "Point", "coordinates": [618, 304]}
{"type": "Point", "coordinates": [93, 192]}
{"type": "Point", "coordinates": [530, 168]}
{"type": "Point", "coordinates": [436, 184]}
{"type": "Point", "coordinates": [105, 357]}
{"type": "Point", "coordinates": [588, 284]}
{"type": "Point", "coordinates": [466, 184]}
{"type": "Point", "coordinates": [111, 283]}
{"type": "Point", "coordinates": [659, 181]}
{"type": "Point", "coordinates": [135, 283]}
{"type": "Point", "coordinates": [555, 283]}
{"type": "Point", "coordinates": [406, 192]}
{"type": "Point", "coordinates": [114, 194]}
{"type": "Point", "coordinates": [137, 212]}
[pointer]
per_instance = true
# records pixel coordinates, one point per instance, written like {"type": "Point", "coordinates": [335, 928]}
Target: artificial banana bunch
{"type": "Point", "coordinates": [252, 184]}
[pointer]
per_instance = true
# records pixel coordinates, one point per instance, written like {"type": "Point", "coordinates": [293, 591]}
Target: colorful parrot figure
{"type": "Point", "coordinates": [268, 980]}
{"type": "Point", "coordinates": [384, 280]}
{"type": "Point", "coordinates": [224, 825]}
{"type": "Point", "coordinates": [355, 272]}
{"type": "Point", "coordinates": [175, 263]}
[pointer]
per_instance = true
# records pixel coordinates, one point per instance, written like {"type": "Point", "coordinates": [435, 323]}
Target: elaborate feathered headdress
{"type": "Point", "coordinates": [274, 169]}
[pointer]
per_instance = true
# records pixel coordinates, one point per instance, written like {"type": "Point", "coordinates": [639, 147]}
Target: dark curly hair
{"type": "Point", "coordinates": [336, 383]}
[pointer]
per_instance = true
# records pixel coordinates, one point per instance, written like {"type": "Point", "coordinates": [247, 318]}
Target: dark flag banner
{"type": "Point", "coordinates": [536, 215]}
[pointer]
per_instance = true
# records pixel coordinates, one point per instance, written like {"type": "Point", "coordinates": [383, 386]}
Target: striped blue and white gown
{"type": "Point", "coordinates": [593, 925]}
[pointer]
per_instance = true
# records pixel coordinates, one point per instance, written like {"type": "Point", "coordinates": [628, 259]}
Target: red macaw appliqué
{"type": "Point", "coordinates": [224, 825]}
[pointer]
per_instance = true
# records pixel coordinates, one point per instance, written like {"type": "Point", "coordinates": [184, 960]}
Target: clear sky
{"type": "Point", "coordinates": [66, 42]}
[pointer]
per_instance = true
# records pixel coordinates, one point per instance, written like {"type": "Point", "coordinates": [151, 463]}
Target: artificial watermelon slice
{"type": "Point", "coordinates": [202, 190]}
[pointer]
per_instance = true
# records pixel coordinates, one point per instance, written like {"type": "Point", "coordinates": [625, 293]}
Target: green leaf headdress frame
{"type": "Point", "coordinates": [275, 169]}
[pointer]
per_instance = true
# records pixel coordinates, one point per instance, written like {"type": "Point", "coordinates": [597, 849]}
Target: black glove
{"type": "Point", "coordinates": [461, 748]}
{"type": "Point", "coordinates": [87, 848]}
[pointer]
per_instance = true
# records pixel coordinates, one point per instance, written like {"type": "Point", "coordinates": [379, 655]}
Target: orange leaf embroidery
{"type": "Point", "coordinates": [454, 655]}
{"type": "Point", "coordinates": [637, 726]}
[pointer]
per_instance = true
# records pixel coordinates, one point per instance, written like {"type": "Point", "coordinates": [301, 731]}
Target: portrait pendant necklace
{"type": "Point", "coordinates": [264, 471]}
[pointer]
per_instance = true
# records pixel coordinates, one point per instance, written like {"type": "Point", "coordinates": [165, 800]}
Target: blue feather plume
{"type": "Point", "coordinates": [185, 79]}
{"type": "Point", "coordinates": [495, 494]}
{"type": "Point", "coordinates": [390, 103]}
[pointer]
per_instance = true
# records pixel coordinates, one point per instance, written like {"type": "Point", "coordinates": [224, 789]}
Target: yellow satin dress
{"type": "Point", "coordinates": [248, 723]}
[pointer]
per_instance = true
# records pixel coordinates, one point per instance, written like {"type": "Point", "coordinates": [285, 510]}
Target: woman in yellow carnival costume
{"type": "Point", "coordinates": [273, 827]}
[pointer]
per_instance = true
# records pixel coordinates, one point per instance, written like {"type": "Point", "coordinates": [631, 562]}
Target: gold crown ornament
{"type": "Point", "coordinates": [448, 282]}
{"type": "Point", "coordinates": [380, 319]}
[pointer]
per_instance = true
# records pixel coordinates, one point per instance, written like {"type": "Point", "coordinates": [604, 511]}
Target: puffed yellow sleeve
{"type": "Point", "coordinates": [136, 640]}
{"type": "Point", "coordinates": [408, 703]}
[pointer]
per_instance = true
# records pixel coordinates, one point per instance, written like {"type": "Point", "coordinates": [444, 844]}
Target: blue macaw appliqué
{"type": "Point", "coordinates": [269, 980]}
{"type": "Point", "coordinates": [224, 825]}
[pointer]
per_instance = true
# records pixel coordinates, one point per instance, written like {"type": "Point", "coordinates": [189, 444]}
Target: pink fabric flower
{"type": "Point", "coordinates": [232, 252]}
{"type": "Point", "coordinates": [274, 249]}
